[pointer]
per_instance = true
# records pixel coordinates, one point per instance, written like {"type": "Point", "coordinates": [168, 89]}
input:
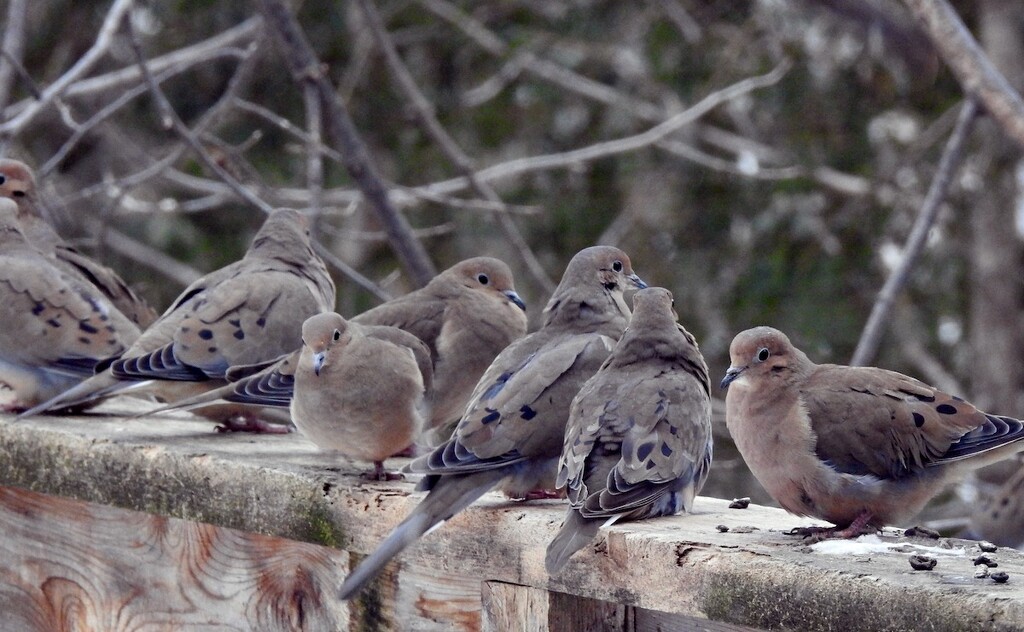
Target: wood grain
{"type": "Point", "coordinates": [74, 566]}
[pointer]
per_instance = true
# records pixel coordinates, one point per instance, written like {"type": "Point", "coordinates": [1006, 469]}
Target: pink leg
{"type": "Point", "coordinates": [380, 474]}
{"type": "Point", "coordinates": [249, 423]}
{"type": "Point", "coordinates": [537, 494]}
{"type": "Point", "coordinates": [858, 527]}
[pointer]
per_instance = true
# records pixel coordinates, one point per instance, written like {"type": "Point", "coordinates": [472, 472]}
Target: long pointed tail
{"type": "Point", "coordinates": [576, 532]}
{"type": "Point", "coordinates": [450, 495]}
{"type": "Point", "coordinates": [96, 387]}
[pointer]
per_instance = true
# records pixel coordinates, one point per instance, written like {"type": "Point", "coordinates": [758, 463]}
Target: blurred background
{"type": "Point", "coordinates": [786, 204]}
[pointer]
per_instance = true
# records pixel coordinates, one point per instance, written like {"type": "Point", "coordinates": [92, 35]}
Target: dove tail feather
{"type": "Point", "coordinates": [449, 496]}
{"type": "Point", "coordinates": [576, 533]}
{"type": "Point", "coordinates": [94, 388]}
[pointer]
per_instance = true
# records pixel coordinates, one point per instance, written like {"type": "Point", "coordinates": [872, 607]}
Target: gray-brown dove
{"type": "Point", "coordinates": [466, 315]}
{"type": "Point", "coordinates": [359, 389]}
{"type": "Point", "coordinates": [18, 183]}
{"type": "Point", "coordinates": [510, 436]}
{"type": "Point", "coordinates": [638, 442]}
{"type": "Point", "coordinates": [55, 329]}
{"type": "Point", "coordinates": [247, 312]}
{"type": "Point", "coordinates": [860, 447]}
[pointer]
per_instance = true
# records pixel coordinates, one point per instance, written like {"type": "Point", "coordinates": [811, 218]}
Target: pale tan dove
{"type": "Point", "coordinates": [466, 315]}
{"type": "Point", "coordinates": [249, 311]}
{"type": "Point", "coordinates": [510, 436]}
{"type": "Point", "coordinates": [18, 183]}
{"type": "Point", "coordinates": [860, 447]}
{"type": "Point", "coordinates": [55, 329]}
{"type": "Point", "coordinates": [638, 442]}
{"type": "Point", "coordinates": [359, 389]}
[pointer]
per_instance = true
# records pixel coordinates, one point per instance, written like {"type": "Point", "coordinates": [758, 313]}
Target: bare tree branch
{"type": "Point", "coordinates": [111, 23]}
{"type": "Point", "coordinates": [13, 48]}
{"type": "Point", "coordinates": [871, 336]}
{"type": "Point", "coordinates": [306, 69]}
{"type": "Point", "coordinates": [971, 65]}
{"type": "Point", "coordinates": [425, 114]}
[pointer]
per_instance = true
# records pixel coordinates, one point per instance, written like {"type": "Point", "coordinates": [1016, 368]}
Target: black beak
{"type": "Point", "coordinates": [637, 281]}
{"type": "Point", "coordinates": [318, 362]}
{"type": "Point", "coordinates": [731, 375]}
{"type": "Point", "coordinates": [512, 296]}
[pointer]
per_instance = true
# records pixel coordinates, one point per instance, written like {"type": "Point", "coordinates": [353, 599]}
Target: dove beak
{"type": "Point", "coordinates": [318, 362]}
{"type": "Point", "coordinates": [731, 375]}
{"type": "Point", "coordinates": [512, 296]}
{"type": "Point", "coordinates": [637, 281]}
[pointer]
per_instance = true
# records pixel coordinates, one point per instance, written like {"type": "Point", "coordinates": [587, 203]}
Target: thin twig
{"type": "Point", "coordinates": [218, 46]}
{"type": "Point", "coordinates": [972, 67]}
{"type": "Point", "coordinates": [620, 145]}
{"type": "Point", "coordinates": [306, 68]}
{"type": "Point", "coordinates": [111, 23]}
{"type": "Point", "coordinates": [424, 111]}
{"type": "Point", "coordinates": [13, 48]}
{"type": "Point", "coordinates": [237, 187]}
{"type": "Point", "coordinates": [871, 337]}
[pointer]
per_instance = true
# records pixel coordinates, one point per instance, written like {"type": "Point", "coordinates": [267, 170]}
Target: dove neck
{"type": "Point", "coordinates": [599, 313]}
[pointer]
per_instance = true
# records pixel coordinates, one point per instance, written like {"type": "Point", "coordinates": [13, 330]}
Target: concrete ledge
{"type": "Point", "coordinates": [484, 569]}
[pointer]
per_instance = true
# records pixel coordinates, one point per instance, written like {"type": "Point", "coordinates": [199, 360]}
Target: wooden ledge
{"type": "Point", "coordinates": [256, 531]}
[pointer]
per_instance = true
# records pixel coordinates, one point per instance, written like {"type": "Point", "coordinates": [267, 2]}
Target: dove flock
{"type": "Point", "coordinates": [607, 403]}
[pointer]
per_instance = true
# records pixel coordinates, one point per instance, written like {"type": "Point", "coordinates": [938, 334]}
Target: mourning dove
{"type": "Point", "coordinates": [638, 442]}
{"type": "Point", "coordinates": [858, 446]}
{"type": "Point", "coordinates": [510, 436]}
{"type": "Point", "coordinates": [55, 329]}
{"type": "Point", "coordinates": [466, 315]}
{"type": "Point", "coordinates": [246, 312]}
{"type": "Point", "coordinates": [359, 389]}
{"type": "Point", "coordinates": [18, 183]}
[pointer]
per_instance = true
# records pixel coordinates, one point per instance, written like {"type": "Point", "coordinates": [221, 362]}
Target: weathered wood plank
{"type": "Point", "coordinates": [70, 565]}
{"type": "Point", "coordinates": [682, 566]}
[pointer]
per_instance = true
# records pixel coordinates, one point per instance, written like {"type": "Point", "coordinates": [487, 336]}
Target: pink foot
{"type": "Point", "coordinates": [380, 474]}
{"type": "Point", "coordinates": [252, 424]}
{"type": "Point", "coordinates": [858, 527]}
{"type": "Point", "coordinates": [537, 494]}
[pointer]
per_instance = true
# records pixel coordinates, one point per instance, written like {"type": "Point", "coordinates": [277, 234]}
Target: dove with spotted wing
{"type": "Point", "coordinates": [247, 312]}
{"type": "Point", "coordinates": [861, 447]}
{"type": "Point", "coordinates": [359, 389]}
{"type": "Point", "coordinates": [638, 443]}
{"type": "Point", "coordinates": [55, 328]}
{"type": "Point", "coordinates": [18, 183]}
{"type": "Point", "coordinates": [466, 315]}
{"type": "Point", "coordinates": [510, 436]}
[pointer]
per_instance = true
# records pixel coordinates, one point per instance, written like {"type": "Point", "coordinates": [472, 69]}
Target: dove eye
{"type": "Point", "coordinates": [3, 178]}
{"type": "Point", "coordinates": [337, 335]}
{"type": "Point", "coordinates": [483, 279]}
{"type": "Point", "coordinates": [763, 354]}
{"type": "Point", "coordinates": [617, 266]}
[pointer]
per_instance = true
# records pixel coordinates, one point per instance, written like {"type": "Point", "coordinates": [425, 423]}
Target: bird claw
{"type": "Point", "coordinates": [536, 494]}
{"type": "Point", "coordinates": [813, 535]}
{"type": "Point", "coordinates": [378, 473]}
{"type": "Point", "coordinates": [251, 424]}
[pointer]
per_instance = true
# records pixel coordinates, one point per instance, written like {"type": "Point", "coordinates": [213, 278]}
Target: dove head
{"type": "Point", "coordinates": [18, 184]}
{"type": "Point", "coordinates": [486, 274]}
{"type": "Point", "coordinates": [323, 333]}
{"type": "Point", "coordinates": [654, 304]}
{"type": "Point", "coordinates": [764, 353]}
{"type": "Point", "coordinates": [592, 286]}
{"type": "Point", "coordinates": [285, 232]}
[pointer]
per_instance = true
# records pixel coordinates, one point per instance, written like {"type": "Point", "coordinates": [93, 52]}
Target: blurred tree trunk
{"type": "Point", "coordinates": [997, 285]}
